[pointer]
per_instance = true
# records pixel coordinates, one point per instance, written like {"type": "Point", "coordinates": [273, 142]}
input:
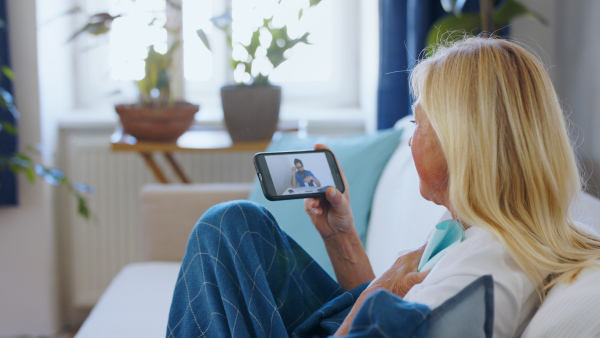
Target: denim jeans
{"type": "Point", "coordinates": [242, 276]}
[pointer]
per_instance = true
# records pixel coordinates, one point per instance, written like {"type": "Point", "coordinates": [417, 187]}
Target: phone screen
{"type": "Point", "coordinates": [300, 174]}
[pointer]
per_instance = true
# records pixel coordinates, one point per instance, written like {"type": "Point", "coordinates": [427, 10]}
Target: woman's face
{"type": "Point", "coordinates": [429, 160]}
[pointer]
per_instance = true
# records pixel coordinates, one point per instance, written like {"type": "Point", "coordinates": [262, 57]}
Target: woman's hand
{"type": "Point", "coordinates": [333, 219]}
{"type": "Point", "coordinates": [331, 214]}
{"type": "Point", "coordinates": [398, 279]}
{"type": "Point", "coordinates": [402, 275]}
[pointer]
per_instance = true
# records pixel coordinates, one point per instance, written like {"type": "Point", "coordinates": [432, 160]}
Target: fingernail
{"type": "Point", "coordinates": [333, 193]}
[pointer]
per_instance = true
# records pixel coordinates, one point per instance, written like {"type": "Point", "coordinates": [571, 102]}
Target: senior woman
{"type": "Point", "coordinates": [490, 145]}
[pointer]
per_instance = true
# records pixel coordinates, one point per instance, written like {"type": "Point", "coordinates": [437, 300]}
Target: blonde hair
{"type": "Point", "coordinates": [511, 165]}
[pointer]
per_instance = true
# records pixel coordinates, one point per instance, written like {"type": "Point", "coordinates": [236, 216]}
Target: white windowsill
{"type": "Point", "coordinates": [318, 120]}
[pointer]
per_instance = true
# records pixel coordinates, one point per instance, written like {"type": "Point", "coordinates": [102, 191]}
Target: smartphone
{"type": "Point", "coordinates": [297, 174]}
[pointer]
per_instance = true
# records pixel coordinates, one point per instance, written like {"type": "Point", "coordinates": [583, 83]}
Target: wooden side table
{"type": "Point", "coordinates": [198, 139]}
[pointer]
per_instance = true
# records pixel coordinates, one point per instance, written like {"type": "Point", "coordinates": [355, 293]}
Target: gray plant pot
{"type": "Point", "coordinates": [251, 112]}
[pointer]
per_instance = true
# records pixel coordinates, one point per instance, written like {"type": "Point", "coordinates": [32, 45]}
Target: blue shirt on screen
{"type": "Point", "coordinates": [300, 178]}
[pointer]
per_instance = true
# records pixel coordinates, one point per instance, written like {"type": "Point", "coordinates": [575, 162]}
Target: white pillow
{"type": "Point", "coordinates": [569, 310]}
{"type": "Point", "coordinates": [400, 218]}
{"type": "Point", "coordinates": [586, 212]}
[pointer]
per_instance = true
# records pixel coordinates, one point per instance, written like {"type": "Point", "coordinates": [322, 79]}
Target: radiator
{"type": "Point", "coordinates": [94, 252]}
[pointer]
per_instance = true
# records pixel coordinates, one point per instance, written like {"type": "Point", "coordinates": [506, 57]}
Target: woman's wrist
{"type": "Point", "coordinates": [349, 259]}
{"type": "Point", "coordinates": [345, 244]}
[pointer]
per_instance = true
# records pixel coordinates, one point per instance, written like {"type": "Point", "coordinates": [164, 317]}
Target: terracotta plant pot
{"type": "Point", "coordinates": [162, 124]}
{"type": "Point", "coordinates": [251, 113]}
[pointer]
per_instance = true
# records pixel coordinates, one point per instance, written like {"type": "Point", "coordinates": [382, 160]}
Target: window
{"type": "Point", "coordinates": [324, 73]}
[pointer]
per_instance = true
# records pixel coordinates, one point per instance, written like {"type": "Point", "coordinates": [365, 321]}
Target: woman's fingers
{"type": "Point", "coordinates": [320, 146]}
{"type": "Point", "coordinates": [335, 198]}
{"type": "Point", "coordinates": [417, 277]}
{"type": "Point", "coordinates": [312, 206]}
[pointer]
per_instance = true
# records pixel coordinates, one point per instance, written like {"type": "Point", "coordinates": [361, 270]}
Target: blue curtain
{"type": "Point", "coordinates": [403, 30]}
{"type": "Point", "coordinates": [8, 143]}
{"type": "Point", "coordinates": [403, 27]}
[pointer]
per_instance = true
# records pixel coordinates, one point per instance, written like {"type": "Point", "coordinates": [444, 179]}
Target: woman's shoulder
{"type": "Point", "coordinates": [482, 253]}
{"type": "Point", "coordinates": [479, 254]}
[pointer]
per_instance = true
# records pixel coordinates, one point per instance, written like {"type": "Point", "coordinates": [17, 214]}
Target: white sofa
{"type": "Point", "coordinates": [136, 304]}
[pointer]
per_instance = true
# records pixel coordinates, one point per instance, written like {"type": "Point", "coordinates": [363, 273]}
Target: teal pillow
{"type": "Point", "coordinates": [362, 159]}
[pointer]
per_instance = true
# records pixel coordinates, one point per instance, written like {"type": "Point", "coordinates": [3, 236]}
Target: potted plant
{"type": "Point", "coordinates": [492, 15]}
{"type": "Point", "coordinates": [251, 106]}
{"type": "Point", "coordinates": [156, 116]}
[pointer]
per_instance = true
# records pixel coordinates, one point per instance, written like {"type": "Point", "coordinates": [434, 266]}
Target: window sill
{"type": "Point", "coordinates": [317, 119]}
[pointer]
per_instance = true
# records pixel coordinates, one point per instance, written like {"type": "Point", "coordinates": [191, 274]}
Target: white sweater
{"type": "Point", "coordinates": [480, 253]}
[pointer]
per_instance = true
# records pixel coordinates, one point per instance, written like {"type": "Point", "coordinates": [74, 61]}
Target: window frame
{"type": "Point", "coordinates": [94, 92]}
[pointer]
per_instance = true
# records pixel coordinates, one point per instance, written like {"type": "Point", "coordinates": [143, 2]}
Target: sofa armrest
{"type": "Point", "coordinates": [170, 211]}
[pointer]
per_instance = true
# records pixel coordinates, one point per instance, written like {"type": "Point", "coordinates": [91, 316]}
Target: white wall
{"type": "Point", "coordinates": [28, 298]}
{"type": "Point", "coordinates": [579, 86]}
{"type": "Point", "coordinates": [570, 48]}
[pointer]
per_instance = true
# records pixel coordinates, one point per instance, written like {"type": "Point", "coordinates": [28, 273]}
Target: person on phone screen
{"type": "Point", "coordinates": [302, 177]}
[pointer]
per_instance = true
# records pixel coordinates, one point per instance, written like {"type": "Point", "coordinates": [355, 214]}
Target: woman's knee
{"type": "Point", "coordinates": [234, 216]}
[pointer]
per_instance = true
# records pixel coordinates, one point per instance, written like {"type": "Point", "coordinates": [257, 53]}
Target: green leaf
{"type": "Point", "coordinates": [203, 38]}
{"type": "Point", "coordinates": [452, 27]}
{"type": "Point", "coordinates": [261, 80]}
{"type": "Point", "coordinates": [22, 163]}
{"type": "Point", "coordinates": [30, 173]}
{"type": "Point", "coordinates": [82, 207]}
{"type": "Point", "coordinates": [300, 13]}
{"type": "Point", "coordinates": [8, 127]}
{"type": "Point", "coordinates": [37, 150]}
{"type": "Point", "coordinates": [21, 159]}
{"type": "Point", "coordinates": [8, 73]}
{"type": "Point", "coordinates": [97, 24]}
{"type": "Point", "coordinates": [511, 9]}
{"type": "Point", "coordinates": [254, 44]}
{"type": "Point", "coordinates": [52, 176]}
{"type": "Point", "coordinates": [314, 2]}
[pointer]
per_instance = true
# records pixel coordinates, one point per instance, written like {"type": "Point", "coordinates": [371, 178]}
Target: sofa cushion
{"type": "Point", "coordinates": [570, 310]}
{"type": "Point", "coordinates": [170, 211]}
{"type": "Point", "coordinates": [362, 158]}
{"type": "Point", "coordinates": [470, 313]}
{"type": "Point", "coordinates": [135, 304]}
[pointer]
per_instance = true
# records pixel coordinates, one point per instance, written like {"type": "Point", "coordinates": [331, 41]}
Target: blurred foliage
{"type": "Point", "coordinates": [155, 87]}
{"type": "Point", "coordinates": [280, 43]}
{"type": "Point", "coordinates": [23, 163]}
{"type": "Point", "coordinates": [471, 23]}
